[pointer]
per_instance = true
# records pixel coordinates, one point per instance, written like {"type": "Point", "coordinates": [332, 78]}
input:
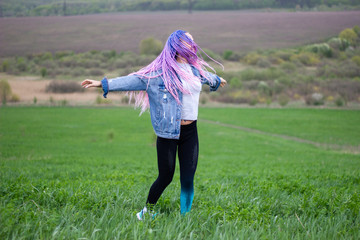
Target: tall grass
{"type": "Point", "coordinates": [84, 172]}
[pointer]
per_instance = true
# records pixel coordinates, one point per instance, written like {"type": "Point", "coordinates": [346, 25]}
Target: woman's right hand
{"type": "Point", "coordinates": [90, 83]}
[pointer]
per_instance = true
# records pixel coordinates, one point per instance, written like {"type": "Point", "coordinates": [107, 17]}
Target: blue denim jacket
{"type": "Point", "coordinates": [165, 112]}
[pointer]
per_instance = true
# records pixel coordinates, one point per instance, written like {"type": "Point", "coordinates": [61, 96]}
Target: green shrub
{"type": "Point", "coordinates": [236, 56]}
{"type": "Point", "coordinates": [109, 54]}
{"type": "Point", "coordinates": [349, 35]}
{"type": "Point", "coordinates": [288, 67]}
{"type": "Point", "coordinates": [21, 64]}
{"type": "Point", "coordinates": [43, 72]}
{"type": "Point", "coordinates": [235, 82]}
{"type": "Point", "coordinates": [263, 63]}
{"type": "Point", "coordinates": [5, 91]}
{"type": "Point", "coordinates": [61, 54]}
{"type": "Point", "coordinates": [5, 66]}
{"type": "Point", "coordinates": [150, 46]}
{"type": "Point", "coordinates": [227, 54]}
{"type": "Point", "coordinates": [356, 59]}
{"type": "Point", "coordinates": [264, 88]}
{"type": "Point", "coordinates": [323, 48]}
{"type": "Point", "coordinates": [339, 43]}
{"type": "Point", "coordinates": [76, 72]}
{"type": "Point", "coordinates": [356, 29]}
{"type": "Point", "coordinates": [96, 72]}
{"type": "Point", "coordinates": [14, 98]}
{"type": "Point", "coordinates": [339, 101]}
{"type": "Point", "coordinates": [315, 99]}
{"type": "Point", "coordinates": [306, 58]}
{"type": "Point", "coordinates": [284, 55]}
{"type": "Point", "coordinates": [252, 58]}
{"type": "Point", "coordinates": [283, 100]}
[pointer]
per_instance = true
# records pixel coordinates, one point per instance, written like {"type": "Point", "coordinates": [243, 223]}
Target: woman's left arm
{"type": "Point", "coordinates": [215, 82]}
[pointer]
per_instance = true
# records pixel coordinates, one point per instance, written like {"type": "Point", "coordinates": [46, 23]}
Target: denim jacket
{"type": "Point", "coordinates": [165, 112]}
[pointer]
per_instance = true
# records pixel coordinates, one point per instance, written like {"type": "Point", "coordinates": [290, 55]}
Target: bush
{"type": "Point", "coordinates": [288, 67]}
{"type": "Point", "coordinates": [346, 68]}
{"type": "Point", "coordinates": [252, 58]}
{"type": "Point", "coordinates": [263, 63]}
{"type": "Point", "coordinates": [264, 88]}
{"type": "Point", "coordinates": [323, 48]}
{"type": "Point", "coordinates": [306, 58]}
{"type": "Point", "coordinates": [235, 82]}
{"type": "Point", "coordinates": [5, 66]}
{"type": "Point", "coordinates": [63, 87]}
{"type": "Point", "coordinates": [356, 29]}
{"type": "Point", "coordinates": [5, 91]}
{"type": "Point", "coordinates": [21, 64]}
{"type": "Point", "coordinates": [150, 46]}
{"type": "Point", "coordinates": [96, 72]}
{"type": "Point", "coordinates": [349, 35]}
{"type": "Point", "coordinates": [227, 54]}
{"type": "Point", "coordinates": [109, 54]}
{"type": "Point", "coordinates": [339, 101]}
{"type": "Point", "coordinates": [339, 43]}
{"type": "Point", "coordinates": [236, 56]}
{"type": "Point", "coordinates": [14, 98]}
{"type": "Point", "coordinates": [78, 72]}
{"type": "Point", "coordinates": [284, 55]}
{"type": "Point", "coordinates": [315, 99]}
{"type": "Point", "coordinates": [61, 54]}
{"type": "Point", "coordinates": [43, 72]}
{"type": "Point", "coordinates": [283, 100]}
{"type": "Point", "coordinates": [356, 59]}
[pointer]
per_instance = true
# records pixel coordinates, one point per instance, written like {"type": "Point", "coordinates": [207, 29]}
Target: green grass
{"type": "Point", "coordinates": [83, 173]}
{"type": "Point", "coordinates": [326, 126]}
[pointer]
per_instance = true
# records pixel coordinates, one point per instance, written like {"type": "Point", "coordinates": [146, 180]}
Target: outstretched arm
{"type": "Point", "coordinates": [126, 83]}
{"type": "Point", "coordinates": [87, 83]}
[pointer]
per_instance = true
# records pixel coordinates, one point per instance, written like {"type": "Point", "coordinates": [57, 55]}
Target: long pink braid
{"type": "Point", "coordinates": [166, 66]}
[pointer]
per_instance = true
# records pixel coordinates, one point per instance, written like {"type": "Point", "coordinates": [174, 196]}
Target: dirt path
{"type": "Point", "coordinates": [30, 87]}
{"type": "Point", "coordinates": [342, 148]}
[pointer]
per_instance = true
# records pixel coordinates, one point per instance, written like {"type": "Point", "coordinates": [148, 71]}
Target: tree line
{"type": "Point", "coordinates": [10, 8]}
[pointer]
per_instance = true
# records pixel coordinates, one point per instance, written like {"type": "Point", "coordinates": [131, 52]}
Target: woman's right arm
{"type": "Point", "coordinates": [126, 83]}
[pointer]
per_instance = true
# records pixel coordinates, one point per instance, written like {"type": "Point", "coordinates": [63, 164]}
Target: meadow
{"type": "Point", "coordinates": [83, 173]}
{"type": "Point", "coordinates": [241, 31]}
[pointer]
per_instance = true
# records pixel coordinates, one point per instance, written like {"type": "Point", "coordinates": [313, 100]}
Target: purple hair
{"type": "Point", "coordinates": [165, 65]}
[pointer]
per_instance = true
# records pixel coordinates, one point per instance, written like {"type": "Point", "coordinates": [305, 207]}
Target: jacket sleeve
{"type": "Point", "coordinates": [214, 81]}
{"type": "Point", "coordinates": [126, 83]}
{"type": "Point", "coordinates": [210, 79]}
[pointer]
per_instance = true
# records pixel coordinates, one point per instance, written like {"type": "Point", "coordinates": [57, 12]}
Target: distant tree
{"type": "Point", "coordinates": [64, 8]}
{"type": "Point", "coordinates": [191, 5]}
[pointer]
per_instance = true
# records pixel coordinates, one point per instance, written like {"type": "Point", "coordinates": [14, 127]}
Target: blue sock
{"type": "Point", "coordinates": [186, 199]}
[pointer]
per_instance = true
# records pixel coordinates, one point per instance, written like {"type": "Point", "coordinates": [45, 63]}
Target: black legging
{"type": "Point", "coordinates": [188, 147]}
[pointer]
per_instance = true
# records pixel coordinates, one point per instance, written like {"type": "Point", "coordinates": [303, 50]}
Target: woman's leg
{"type": "Point", "coordinates": [188, 158]}
{"type": "Point", "coordinates": [166, 153]}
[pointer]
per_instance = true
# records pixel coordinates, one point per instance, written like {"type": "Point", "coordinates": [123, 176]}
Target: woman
{"type": "Point", "coordinates": [170, 86]}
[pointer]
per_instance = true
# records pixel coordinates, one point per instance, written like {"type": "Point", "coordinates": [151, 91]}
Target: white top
{"type": "Point", "coordinates": [190, 101]}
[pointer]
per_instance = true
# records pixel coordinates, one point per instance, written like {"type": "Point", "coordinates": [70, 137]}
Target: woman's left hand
{"type": "Point", "coordinates": [223, 82]}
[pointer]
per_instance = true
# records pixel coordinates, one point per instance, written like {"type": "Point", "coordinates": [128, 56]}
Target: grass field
{"type": "Point", "coordinates": [83, 173]}
{"type": "Point", "coordinates": [241, 31]}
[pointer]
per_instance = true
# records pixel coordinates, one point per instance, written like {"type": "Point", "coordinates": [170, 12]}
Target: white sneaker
{"type": "Point", "coordinates": [141, 215]}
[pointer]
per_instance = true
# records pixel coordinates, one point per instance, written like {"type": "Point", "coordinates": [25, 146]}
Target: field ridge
{"type": "Point", "coordinates": [337, 147]}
